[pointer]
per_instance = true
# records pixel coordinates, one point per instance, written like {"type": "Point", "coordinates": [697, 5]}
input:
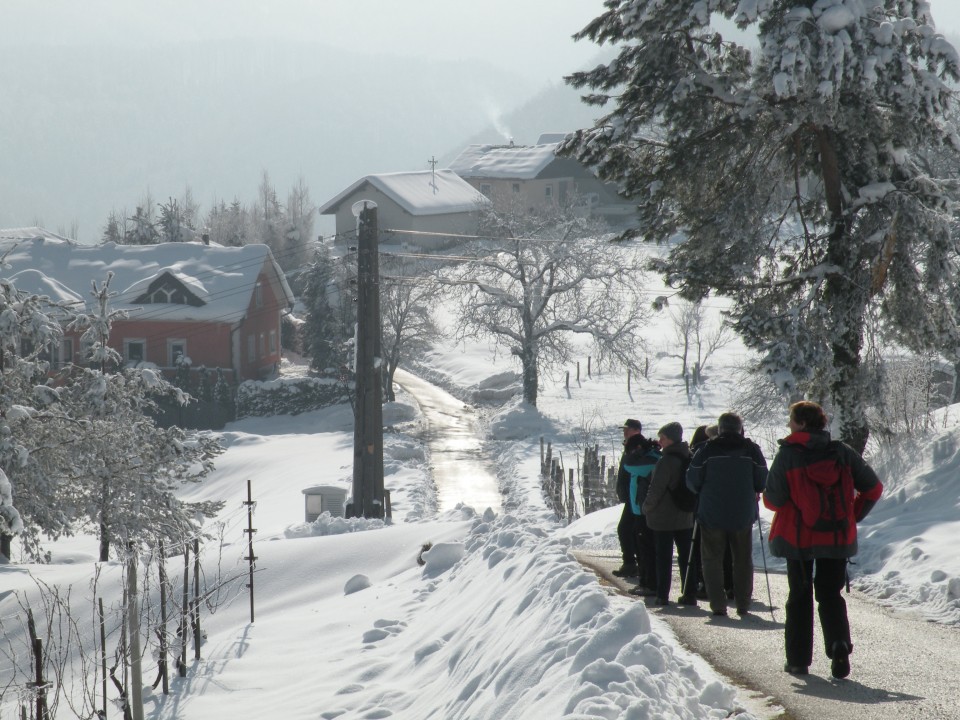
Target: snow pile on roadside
{"type": "Point", "coordinates": [507, 624]}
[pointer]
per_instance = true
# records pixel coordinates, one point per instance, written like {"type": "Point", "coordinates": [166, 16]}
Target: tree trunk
{"type": "Point", "coordinates": [955, 396]}
{"type": "Point", "coordinates": [528, 362]}
{"type": "Point", "coordinates": [388, 394]}
{"type": "Point", "coordinates": [846, 300]}
{"type": "Point", "coordinates": [104, 543]}
{"type": "Point", "coordinates": [5, 541]}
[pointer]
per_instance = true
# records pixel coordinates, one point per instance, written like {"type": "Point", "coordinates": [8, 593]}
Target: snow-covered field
{"type": "Point", "coordinates": [500, 622]}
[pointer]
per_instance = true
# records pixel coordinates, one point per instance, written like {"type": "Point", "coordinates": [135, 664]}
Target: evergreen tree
{"type": "Point", "coordinates": [222, 391]}
{"type": "Point", "coordinates": [173, 225]}
{"type": "Point", "coordinates": [125, 468]}
{"type": "Point", "coordinates": [115, 230]}
{"type": "Point", "coordinates": [792, 171]}
{"type": "Point", "coordinates": [323, 335]}
{"type": "Point", "coordinates": [204, 383]}
{"type": "Point", "coordinates": [142, 229]}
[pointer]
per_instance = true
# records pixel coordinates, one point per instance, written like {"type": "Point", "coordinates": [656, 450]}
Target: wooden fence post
{"type": "Point", "coordinates": [196, 599]}
{"type": "Point", "coordinates": [162, 570]}
{"type": "Point", "coordinates": [103, 656]}
{"type": "Point", "coordinates": [184, 610]}
{"type": "Point", "coordinates": [251, 558]}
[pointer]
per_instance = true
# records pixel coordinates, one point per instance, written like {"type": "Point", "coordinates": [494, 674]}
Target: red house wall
{"type": "Point", "coordinates": [262, 319]}
{"type": "Point", "coordinates": [209, 343]}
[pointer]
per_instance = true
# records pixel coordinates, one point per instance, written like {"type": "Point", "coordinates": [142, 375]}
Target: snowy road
{"type": "Point", "coordinates": [903, 667]}
{"type": "Point", "coordinates": [460, 471]}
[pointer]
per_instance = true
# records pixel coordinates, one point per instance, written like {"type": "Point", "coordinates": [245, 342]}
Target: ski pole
{"type": "Point", "coordinates": [766, 574]}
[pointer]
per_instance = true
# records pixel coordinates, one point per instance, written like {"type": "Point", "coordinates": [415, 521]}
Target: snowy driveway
{"type": "Point", "coordinates": [459, 470]}
{"type": "Point", "coordinates": [904, 668]}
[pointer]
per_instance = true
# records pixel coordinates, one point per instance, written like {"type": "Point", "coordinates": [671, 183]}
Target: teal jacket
{"type": "Point", "coordinates": [636, 466]}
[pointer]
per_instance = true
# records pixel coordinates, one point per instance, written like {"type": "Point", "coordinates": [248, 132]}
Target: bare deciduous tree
{"type": "Point", "coordinates": [544, 278]}
{"type": "Point", "coordinates": [698, 339]}
{"type": "Point", "coordinates": [407, 299]}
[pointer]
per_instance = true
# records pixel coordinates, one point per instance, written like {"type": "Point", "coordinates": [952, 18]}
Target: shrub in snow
{"type": "Point", "coordinates": [326, 524]}
{"type": "Point", "coordinates": [288, 396]}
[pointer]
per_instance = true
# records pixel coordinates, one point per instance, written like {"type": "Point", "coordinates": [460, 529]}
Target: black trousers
{"type": "Point", "coordinates": [665, 540]}
{"type": "Point", "coordinates": [824, 579]}
{"type": "Point", "coordinates": [628, 535]}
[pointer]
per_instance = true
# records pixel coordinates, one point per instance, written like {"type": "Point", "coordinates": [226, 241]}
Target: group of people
{"type": "Point", "coordinates": [818, 489]}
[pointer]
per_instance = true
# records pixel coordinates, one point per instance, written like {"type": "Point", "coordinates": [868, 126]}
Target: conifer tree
{"type": "Point", "coordinates": [791, 170]}
{"type": "Point", "coordinates": [323, 335]}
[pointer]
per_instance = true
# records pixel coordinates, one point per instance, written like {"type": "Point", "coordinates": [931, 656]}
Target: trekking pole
{"type": "Point", "coordinates": [685, 587]}
{"type": "Point", "coordinates": [766, 574]}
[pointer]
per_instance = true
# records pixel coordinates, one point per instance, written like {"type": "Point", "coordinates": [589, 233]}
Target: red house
{"type": "Point", "coordinates": [220, 307]}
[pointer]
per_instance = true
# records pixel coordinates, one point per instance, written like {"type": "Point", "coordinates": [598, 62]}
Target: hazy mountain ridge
{"type": "Point", "coordinates": [88, 130]}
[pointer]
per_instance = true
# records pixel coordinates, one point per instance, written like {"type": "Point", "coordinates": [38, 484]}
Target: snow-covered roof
{"type": "Point", "coordinates": [423, 192]}
{"type": "Point", "coordinates": [28, 233]}
{"type": "Point", "coordinates": [521, 162]}
{"type": "Point", "coordinates": [222, 278]}
{"type": "Point", "coordinates": [551, 137]}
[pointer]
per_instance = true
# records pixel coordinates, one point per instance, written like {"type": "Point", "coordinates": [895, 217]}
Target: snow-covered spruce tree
{"type": "Point", "coordinates": [142, 230]}
{"type": "Point", "coordinates": [792, 170]}
{"type": "Point", "coordinates": [542, 278]}
{"type": "Point", "coordinates": [174, 225]}
{"type": "Point", "coordinates": [26, 489]}
{"type": "Point", "coordinates": [408, 295]}
{"type": "Point", "coordinates": [126, 469]}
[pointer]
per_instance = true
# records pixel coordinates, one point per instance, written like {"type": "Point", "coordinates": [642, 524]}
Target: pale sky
{"type": "Point", "coordinates": [526, 36]}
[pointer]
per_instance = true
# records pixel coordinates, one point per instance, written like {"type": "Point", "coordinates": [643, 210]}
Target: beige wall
{"type": "Point", "coordinates": [534, 191]}
{"type": "Point", "coordinates": [392, 216]}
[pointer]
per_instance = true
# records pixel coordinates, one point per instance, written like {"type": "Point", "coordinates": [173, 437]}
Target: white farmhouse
{"type": "Point", "coordinates": [541, 178]}
{"type": "Point", "coordinates": [437, 204]}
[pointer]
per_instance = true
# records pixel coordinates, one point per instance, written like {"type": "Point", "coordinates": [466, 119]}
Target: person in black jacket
{"type": "Point", "coordinates": [633, 479]}
{"type": "Point", "coordinates": [728, 473]}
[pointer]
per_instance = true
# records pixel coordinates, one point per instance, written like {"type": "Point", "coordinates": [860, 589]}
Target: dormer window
{"type": "Point", "coordinates": [167, 289]}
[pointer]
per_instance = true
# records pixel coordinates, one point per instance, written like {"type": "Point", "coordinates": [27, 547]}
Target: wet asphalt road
{"type": "Point", "coordinates": [460, 472]}
{"type": "Point", "coordinates": [902, 667]}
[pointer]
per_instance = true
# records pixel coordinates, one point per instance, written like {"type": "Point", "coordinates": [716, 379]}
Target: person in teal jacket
{"type": "Point", "coordinates": [640, 455]}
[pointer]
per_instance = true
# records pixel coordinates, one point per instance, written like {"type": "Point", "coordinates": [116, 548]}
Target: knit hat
{"type": "Point", "coordinates": [673, 431]}
{"type": "Point", "coordinates": [633, 424]}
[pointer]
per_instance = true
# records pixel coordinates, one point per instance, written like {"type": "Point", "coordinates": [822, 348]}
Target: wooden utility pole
{"type": "Point", "coordinates": [368, 421]}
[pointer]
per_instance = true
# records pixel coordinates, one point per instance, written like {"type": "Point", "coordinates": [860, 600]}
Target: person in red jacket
{"type": "Point", "coordinates": [819, 489]}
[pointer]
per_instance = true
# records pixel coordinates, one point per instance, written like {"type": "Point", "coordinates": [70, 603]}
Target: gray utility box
{"type": "Point", "coordinates": [324, 498]}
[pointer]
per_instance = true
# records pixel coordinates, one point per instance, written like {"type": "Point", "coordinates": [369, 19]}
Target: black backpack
{"type": "Point", "coordinates": [683, 497]}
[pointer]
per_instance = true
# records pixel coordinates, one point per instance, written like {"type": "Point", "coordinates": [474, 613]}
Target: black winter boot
{"type": "Point", "coordinates": [840, 660]}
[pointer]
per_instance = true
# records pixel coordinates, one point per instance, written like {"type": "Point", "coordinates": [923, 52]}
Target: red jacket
{"type": "Point", "coordinates": [804, 461]}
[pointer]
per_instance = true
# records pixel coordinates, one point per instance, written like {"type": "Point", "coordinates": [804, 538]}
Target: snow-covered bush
{"type": "Point", "coordinates": [288, 396]}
